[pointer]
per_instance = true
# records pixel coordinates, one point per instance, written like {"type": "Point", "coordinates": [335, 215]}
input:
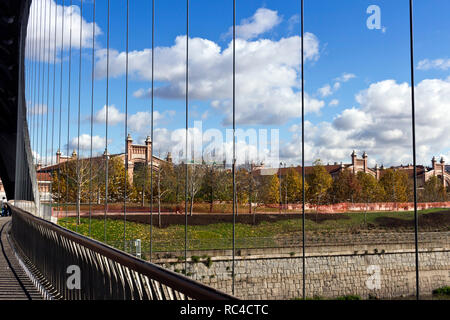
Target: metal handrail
{"type": "Point", "coordinates": [106, 273]}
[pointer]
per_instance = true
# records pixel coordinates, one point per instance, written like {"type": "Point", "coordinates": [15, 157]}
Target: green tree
{"type": "Point", "coordinates": [246, 188]}
{"type": "Point", "coordinates": [396, 185]}
{"type": "Point", "coordinates": [319, 182]}
{"type": "Point", "coordinates": [345, 187]}
{"type": "Point", "coordinates": [370, 191]}
{"type": "Point", "coordinates": [75, 182]}
{"type": "Point", "coordinates": [272, 190]}
{"type": "Point", "coordinates": [433, 190]}
{"type": "Point", "coordinates": [196, 173]}
{"type": "Point", "coordinates": [116, 181]}
{"type": "Point", "coordinates": [163, 185]}
{"type": "Point", "coordinates": [214, 185]}
{"type": "Point", "coordinates": [292, 186]}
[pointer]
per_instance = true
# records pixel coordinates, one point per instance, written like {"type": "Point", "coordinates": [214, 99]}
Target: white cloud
{"type": "Point", "coordinates": [426, 64]}
{"type": "Point", "coordinates": [381, 126]}
{"type": "Point", "coordinates": [39, 109]}
{"type": "Point", "coordinates": [325, 91]}
{"type": "Point", "coordinates": [345, 77]}
{"type": "Point", "coordinates": [140, 122]}
{"type": "Point", "coordinates": [41, 29]}
{"type": "Point", "coordinates": [293, 21]}
{"type": "Point", "coordinates": [351, 119]}
{"type": "Point", "coordinates": [205, 115]}
{"type": "Point", "coordinates": [114, 115]}
{"type": "Point", "coordinates": [267, 75]}
{"type": "Point", "coordinates": [262, 21]}
{"type": "Point", "coordinates": [336, 86]}
{"type": "Point", "coordinates": [333, 103]}
{"type": "Point", "coordinates": [98, 143]}
{"type": "Point", "coordinates": [44, 160]}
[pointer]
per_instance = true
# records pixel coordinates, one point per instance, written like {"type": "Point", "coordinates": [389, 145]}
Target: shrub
{"type": "Point", "coordinates": [208, 262]}
{"type": "Point", "coordinates": [349, 297]}
{"type": "Point", "coordinates": [443, 291]}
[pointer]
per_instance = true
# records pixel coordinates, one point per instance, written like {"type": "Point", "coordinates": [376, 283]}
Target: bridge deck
{"type": "Point", "coordinates": [14, 283]}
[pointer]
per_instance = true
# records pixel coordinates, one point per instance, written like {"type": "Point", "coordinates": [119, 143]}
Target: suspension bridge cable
{"type": "Point", "coordinates": [303, 154]}
{"type": "Point", "coordinates": [92, 117]}
{"type": "Point", "coordinates": [48, 85]}
{"type": "Point", "coordinates": [151, 132]}
{"type": "Point", "coordinates": [60, 108]}
{"type": "Point", "coordinates": [38, 87]}
{"type": "Point", "coordinates": [40, 84]}
{"type": "Point", "coordinates": [32, 86]}
{"type": "Point", "coordinates": [106, 119]}
{"type": "Point", "coordinates": [187, 135]}
{"type": "Point", "coordinates": [33, 81]}
{"type": "Point", "coordinates": [413, 118]}
{"type": "Point", "coordinates": [53, 102]}
{"type": "Point", "coordinates": [21, 193]}
{"type": "Point", "coordinates": [41, 148]}
{"type": "Point", "coordinates": [68, 111]}
{"type": "Point", "coordinates": [78, 177]}
{"type": "Point", "coordinates": [54, 84]}
{"type": "Point", "coordinates": [37, 83]}
{"type": "Point", "coordinates": [126, 139]}
{"type": "Point", "coordinates": [234, 148]}
{"type": "Point", "coordinates": [30, 102]}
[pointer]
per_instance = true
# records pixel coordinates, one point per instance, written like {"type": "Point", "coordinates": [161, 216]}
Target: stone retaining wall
{"type": "Point", "coordinates": [345, 270]}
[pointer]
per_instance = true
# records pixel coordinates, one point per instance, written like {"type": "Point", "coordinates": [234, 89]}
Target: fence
{"type": "Point", "coordinates": [340, 239]}
{"type": "Point", "coordinates": [104, 272]}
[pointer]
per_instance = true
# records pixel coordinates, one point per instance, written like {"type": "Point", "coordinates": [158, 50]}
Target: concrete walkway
{"type": "Point", "coordinates": [14, 283]}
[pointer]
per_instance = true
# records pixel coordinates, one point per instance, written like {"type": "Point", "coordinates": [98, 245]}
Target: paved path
{"type": "Point", "coordinates": [14, 283]}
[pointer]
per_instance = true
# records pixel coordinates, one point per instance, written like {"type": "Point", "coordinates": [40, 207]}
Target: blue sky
{"type": "Point", "coordinates": [357, 79]}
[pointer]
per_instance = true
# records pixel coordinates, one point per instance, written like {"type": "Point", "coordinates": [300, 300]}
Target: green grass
{"type": "Point", "coordinates": [219, 235]}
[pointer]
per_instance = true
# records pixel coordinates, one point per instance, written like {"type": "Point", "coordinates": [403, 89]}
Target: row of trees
{"type": "Point", "coordinates": [79, 181]}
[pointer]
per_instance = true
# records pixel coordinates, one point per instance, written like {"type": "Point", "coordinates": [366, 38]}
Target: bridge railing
{"type": "Point", "coordinates": [76, 267]}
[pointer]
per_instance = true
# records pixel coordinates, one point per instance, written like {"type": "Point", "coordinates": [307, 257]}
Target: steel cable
{"type": "Point", "coordinates": [68, 113]}
{"type": "Point", "coordinates": [303, 154]}
{"type": "Point", "coordinates": [126, 132]}
{"type": "Point", "coordinates": [106, 119]}
{"type": "Point", "coordinates": [151, 134]}
{"type": "Point", "coordinates": [234, 147]}
{"type": "Point", "coordinates": [78, 177]}
{"type": "Point", "coordinates": [92, 117]}
{"type": "Point", "coordinates": [187, 136]}
{"type": "Point", "coordinates": [38, 90]}
{"type": "Point", "coordinates": [60, 109]}
{"type": "Point", "coordinates": [413, 120]}
{"type": "Point", "coordinates": [53, 102]}
{"type": "Point", "coordinates": [41, 146]}
{"type": "Point", "coordinates": [48, 87]}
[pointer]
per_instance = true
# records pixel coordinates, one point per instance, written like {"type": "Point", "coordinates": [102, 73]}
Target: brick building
{"type": "Point", "coordinates": [137, 155]}
{"type": "Point", "coordinates": [441, 170]}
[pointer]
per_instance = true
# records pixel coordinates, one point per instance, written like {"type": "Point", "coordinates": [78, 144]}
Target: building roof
{"type": "Point", "coordinates": [43, 176]}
